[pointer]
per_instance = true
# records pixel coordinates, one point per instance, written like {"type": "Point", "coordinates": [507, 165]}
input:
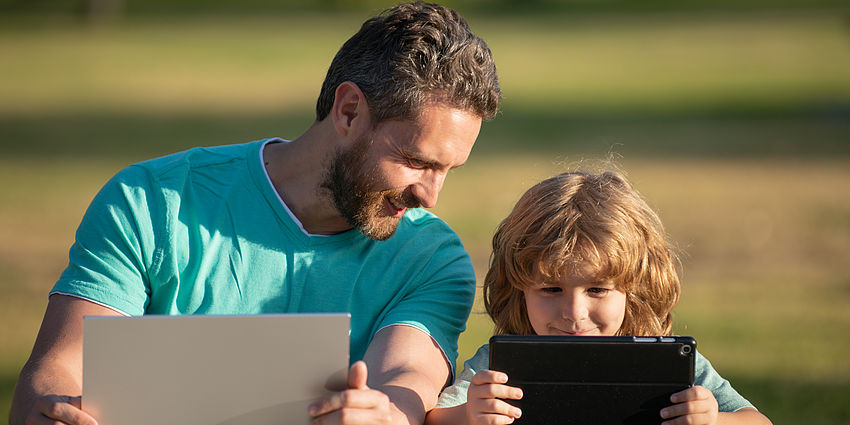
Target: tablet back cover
{"type": "Point", "coordinates": [599, 380]}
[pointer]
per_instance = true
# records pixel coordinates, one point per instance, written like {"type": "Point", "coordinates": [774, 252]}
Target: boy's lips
{"type": "Point", "coordinates": [581, 332]}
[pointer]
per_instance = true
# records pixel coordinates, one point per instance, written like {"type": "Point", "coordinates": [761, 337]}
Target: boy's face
{"type": "Point", "coordinates": [578, 304]}
{"type": "Point", "coordinates": [400, 165]}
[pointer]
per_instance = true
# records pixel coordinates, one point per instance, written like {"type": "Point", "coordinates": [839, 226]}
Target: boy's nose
{"type": "Point", "coordinates": [574, 309]}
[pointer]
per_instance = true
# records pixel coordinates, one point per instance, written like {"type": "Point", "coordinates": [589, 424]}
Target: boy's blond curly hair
{"type": "Point", "coordinates": [576, 218]}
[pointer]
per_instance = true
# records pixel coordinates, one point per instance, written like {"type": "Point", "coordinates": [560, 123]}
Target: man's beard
{"type": "Point", "coordinates": [351, 186]}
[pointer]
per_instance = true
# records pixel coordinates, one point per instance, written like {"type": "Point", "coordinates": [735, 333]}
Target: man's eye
{"type": "Point", "coordinates": [414, 163]}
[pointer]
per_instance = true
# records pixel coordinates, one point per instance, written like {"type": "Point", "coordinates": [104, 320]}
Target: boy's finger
{"type": "Point", "coordinates": [489, 419]}
{"type": "Point", "coordinates": [689, 394]}
{"type": "Point", "coordinates": [687, 420]}
{"type": "Point", "coordinates": [489, 377]}
{"type": "Point", "coordinates": [680, 409]}
{"type": "Point", "coordinates": [495, 391]}
{"type": "Point", "coordinates": [499, 407]}
{"type": "Point", "coordinates": [502, 391]}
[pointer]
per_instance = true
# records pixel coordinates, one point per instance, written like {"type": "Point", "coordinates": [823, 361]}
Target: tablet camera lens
{"type": "Point", "coordinates": [685, 350]}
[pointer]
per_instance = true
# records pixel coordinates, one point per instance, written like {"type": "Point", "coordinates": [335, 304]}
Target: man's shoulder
{"type": "Point", "coordinates": [421, 234]}
{"type": "Point", "coordinates": [418, 221]}
{"type": "Point", "coordinates": [419, 217]}
{"type": "Point", "coordinates": [200, 157]}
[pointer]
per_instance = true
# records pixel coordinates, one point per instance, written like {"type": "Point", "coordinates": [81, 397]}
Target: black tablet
{"type": "Point", "coordinates": [593, 380]}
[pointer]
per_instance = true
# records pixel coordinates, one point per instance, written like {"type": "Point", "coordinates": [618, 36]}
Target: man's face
{"type": "Point", "coordinates": [399, 165]}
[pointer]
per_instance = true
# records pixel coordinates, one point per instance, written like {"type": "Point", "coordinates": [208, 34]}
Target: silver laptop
{"type": "Point", "coordinates": [211, 370]}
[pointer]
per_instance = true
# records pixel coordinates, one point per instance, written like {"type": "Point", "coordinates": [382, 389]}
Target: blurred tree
{"type": "Point", "coordinates": [98, 11]}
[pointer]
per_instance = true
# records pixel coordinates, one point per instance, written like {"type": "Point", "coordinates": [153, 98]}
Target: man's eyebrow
{"type": "Point", "coordinates": [430, 163]}
{"type": "Point", "coordinates": [416, 156]}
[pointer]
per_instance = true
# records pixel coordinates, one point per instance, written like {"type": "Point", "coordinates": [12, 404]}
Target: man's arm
{"type": "Point", "coordinates": [406, 372]}
{"type": "Point", "coordinates": [50, 384]}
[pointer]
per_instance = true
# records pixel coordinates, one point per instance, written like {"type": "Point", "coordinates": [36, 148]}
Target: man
{"type": "Point", "coordinates": [326, 222]}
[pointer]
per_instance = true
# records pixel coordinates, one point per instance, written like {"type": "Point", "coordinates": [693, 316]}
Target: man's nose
{"type": "Point", "coordinates": [428, 189]}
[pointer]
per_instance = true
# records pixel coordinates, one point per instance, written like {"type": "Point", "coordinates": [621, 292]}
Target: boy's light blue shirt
{"type": "Point", "coordinates": [204, 232]}
{"type": "Point", "coordinates": [728, 400]}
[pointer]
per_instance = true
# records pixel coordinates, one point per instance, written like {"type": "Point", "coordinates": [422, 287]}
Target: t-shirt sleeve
{"type": "Point", "coordinates": [455, 394]}
{"type": "Point", "coordinates": [109, 259]}
{"type": "Point", "coordinates": [440, 299]}
{"type": "Point", "coordinates": [728, 400]}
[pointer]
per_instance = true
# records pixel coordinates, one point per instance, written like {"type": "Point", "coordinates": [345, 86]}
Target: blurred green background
{"type": "Point", "coordinates": [731, 117]}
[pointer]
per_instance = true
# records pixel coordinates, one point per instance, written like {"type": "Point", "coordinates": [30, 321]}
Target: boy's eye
{"type": "Point", "coordinates": [551, 289]}
{"type": "Point", "coordinates": [598, 291]}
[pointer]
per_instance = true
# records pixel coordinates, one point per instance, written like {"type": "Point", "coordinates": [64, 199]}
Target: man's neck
{"type": "Point", "coordinates": [297, 170]}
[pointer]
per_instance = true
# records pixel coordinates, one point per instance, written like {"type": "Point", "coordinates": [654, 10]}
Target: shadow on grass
{"type": "Point", "coordinates": [722, 131]}
{"type": "Point", "coordinates": [135, 135]}
{"type": "Point", "coordinates": [812, 131]}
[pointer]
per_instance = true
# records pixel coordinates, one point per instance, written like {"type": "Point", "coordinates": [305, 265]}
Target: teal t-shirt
{"type": "Point", "coordinates": [204, 232]}
{"type": "Point", "coordinates": [728, 400]}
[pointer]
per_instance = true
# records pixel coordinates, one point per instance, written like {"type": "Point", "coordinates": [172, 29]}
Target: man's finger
{"type": "Point", "coordinates": [356, 399]}
{"type": "Point", "coordinates": [74, 401]}
{"type": "Point", "coordinates": [352, 417]}
{"type": "Point", "coordinates": [64, 409]}
{"type": "Point", "coordinates": [357, 375]}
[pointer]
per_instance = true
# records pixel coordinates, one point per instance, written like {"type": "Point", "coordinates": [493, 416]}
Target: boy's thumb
{"type": "Point", "coordinates": [357, 376]}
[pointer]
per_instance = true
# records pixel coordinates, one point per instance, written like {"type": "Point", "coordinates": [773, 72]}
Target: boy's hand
{"type": "Point", "coordinates": [694, 406]}
{"type": "Point", "coordinates": [483, 404]}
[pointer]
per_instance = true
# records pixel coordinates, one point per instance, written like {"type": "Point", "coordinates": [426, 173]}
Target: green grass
{"type": "Point", "coordinates": [736, 127]}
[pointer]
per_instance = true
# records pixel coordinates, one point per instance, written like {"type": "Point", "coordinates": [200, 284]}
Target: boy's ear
{"type": "Point", "coordinates": [350, 111]}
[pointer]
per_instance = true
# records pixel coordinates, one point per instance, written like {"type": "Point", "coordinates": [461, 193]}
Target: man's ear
{"type": "Point", "coordinates": [350, 111]}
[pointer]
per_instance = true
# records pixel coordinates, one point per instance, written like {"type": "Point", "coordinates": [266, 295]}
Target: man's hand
{"type": "Point", "coordinates": [56, 408]}
{"type": "Point", "coordinates": [56, 367]}
{"type": "Point", "coordinates": [356, 405]}
{"type": "Point", "coordinates": [407, 370]}
{"type": "Point", "coordinates": [694, 406]}
{"type": "Point", "coordinates": [483, 401]}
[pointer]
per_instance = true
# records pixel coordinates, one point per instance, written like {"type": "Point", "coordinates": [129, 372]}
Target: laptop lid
{"type": "Point", "coordinates": [211, 370]}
